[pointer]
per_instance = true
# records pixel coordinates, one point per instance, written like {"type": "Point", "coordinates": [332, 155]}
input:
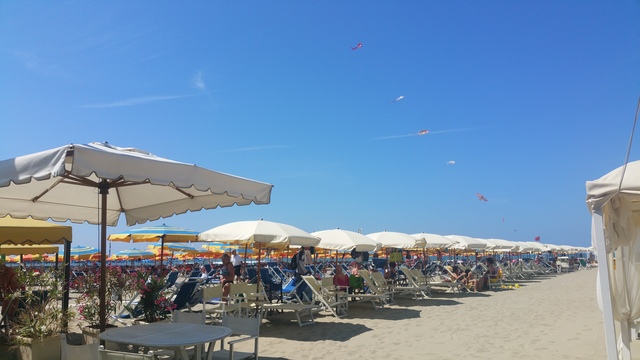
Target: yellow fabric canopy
{"type": "Point", "coordinates": [28, 249]}
{"type": "Point", "coordinates": [30, 231]}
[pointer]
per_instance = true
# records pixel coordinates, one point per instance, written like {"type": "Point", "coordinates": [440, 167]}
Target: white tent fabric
{"type": "Point", "coordinates": [434, 241]}
{"type": "Point", "coordinates": [97, 182]}
{"type": "Point", "coordinates": [467, 243]}
{"type": "Point", "coordinates": [500, 245]}
{"type": "Point", "coordinates": [144, 177]}
{"type": "Point", "coordinates": [398, 240]}
{"type": "Point", "coordinates": [259, 232]}
{"type": "Point", "coordinates": [345, 240]}
{"type": "Point", "coordinates": [614, 202]}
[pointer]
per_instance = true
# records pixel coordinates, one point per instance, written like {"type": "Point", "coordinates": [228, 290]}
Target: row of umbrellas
{"type": "Point", "coordinates": [272, 235]}
{"type": "Point", "coordinates": [96, 183]}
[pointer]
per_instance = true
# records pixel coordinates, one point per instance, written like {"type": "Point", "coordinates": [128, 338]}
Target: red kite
{"type": "Point", "coordinates": [481, 197]}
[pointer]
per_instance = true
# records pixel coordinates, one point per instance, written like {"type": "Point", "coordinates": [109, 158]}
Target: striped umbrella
{"type": "Point", "coordinates": [164, 234]}
{"type": "Point", "coordinates": [133, 254]}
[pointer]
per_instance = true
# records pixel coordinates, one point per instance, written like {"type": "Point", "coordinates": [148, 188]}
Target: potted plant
{"type": "Point", "coordinates": [89, 301]}
{"type": "Point", "coordinates": [154, 304]}
{"type": "Point", "coordinates": [35, 328]}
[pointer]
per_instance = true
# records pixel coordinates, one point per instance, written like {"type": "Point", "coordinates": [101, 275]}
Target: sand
{"type": "Point", "coordinates": [546, 318]}
{"type": "Point", "coordinates": [554, 317]}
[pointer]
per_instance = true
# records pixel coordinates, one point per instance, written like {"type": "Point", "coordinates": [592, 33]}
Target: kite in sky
{"type": "Point", "coordinates": [398, 99]}
{"type": "Point", "coordinates": [481, 197]}
{"type": "Point", "coordinates": [451, 162]}
{"type": "Point", "coordinates": [357, 47]}
{"type": "Point", "coordinates": [421, 132]}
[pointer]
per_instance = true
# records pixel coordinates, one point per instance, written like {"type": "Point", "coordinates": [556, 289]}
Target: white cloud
{"type": "Point", "coordinates": [197, 80]}
{"type": "Point", "coordinates": [134, 101]}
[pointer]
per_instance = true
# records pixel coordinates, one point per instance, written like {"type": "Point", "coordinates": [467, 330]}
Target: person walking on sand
{"type": "Point", "coordinates": [226, 275]}
{"type": "Point", "coordinates": [236, 260]}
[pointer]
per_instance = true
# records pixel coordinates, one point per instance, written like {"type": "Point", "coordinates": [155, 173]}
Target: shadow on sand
{"type": "Point", "coordinates": [320, 331]}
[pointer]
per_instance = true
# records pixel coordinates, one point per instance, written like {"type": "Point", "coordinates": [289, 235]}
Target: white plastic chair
{"type": "Point", "coordinates": [246, 328]}
{"type": "Point", "coordinates": [77, 352]}
{"type": "Point", "coordinates": [119, 355]}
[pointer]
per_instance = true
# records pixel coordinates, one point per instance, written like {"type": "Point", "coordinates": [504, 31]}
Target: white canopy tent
{"type": "Point", "coordinates": [614, 202]}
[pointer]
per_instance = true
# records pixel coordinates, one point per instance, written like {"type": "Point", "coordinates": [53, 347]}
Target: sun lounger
{"type": "Point", "coordinates": [329, 301]}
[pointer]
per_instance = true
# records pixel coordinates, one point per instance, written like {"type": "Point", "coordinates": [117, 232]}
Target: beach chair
{"type": "Point", "coordinates": [171, 279]}
{"type": "Point", "coordinates": [183, 296]}
{"type": "Point", "coordinates": [378, 285]}
{"type": "Point", "coordinates": [243, 329]}
{"type": "Point", "coordinates": [433, 284]}
{"type": "Point", "coordinates": [377, 300]}
{"type": "Point", "coordinates": [418, 291]}
{"type": "Point", "coordinates": [77, 352]}
{"type": "Point", "coordinates": [119, 355]}
{"type": "Point", "coordinates": [328, 300]}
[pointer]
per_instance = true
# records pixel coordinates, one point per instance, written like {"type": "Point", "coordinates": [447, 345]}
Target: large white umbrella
{"type": "Point", "coordinates": [397, 240]}
{"type": "Point", "coordinates": [260, 232]}
{"type": "Point", "coordinates": [500, 245]}
{"type": "Point", "coordinates": [434, 241]}
{"type": "Point", "coordinates": [345, 240]}
{"type": "Point", "coordinates": [467, 243]}
{"type": "Point", "coordinates": [98, 182]}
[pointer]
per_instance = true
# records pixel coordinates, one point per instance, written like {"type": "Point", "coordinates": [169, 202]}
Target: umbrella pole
{"type": "Point", "coordinates": [161, 251]}
{"type": "Point", "coordinates": [258, 267]}
{"type": "Point", "coordinates": [102, 292]}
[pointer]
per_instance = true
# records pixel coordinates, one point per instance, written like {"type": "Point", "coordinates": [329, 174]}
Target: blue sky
{"type": "Point", "coordinates": [530, 99]}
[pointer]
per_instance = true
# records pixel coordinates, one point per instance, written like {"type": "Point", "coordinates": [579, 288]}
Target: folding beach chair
{"type": "Point", "coordinates": [378, 285]}
{"type": "Point", "coordinates": [328, 300]}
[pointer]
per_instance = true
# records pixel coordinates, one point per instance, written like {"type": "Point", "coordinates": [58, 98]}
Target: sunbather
{"type": "Point", "coordinates": [483, 283]}
{"type": "Point", "coordinates": [391, 272]}
{"type": "Point", "coordinates": [340, 279]}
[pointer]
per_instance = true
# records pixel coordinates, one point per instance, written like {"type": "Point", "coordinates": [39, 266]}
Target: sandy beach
{"type": "Point", "coordinates": [546, 318]}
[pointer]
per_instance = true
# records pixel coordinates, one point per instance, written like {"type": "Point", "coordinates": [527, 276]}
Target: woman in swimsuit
{"type": "Point", "coordinates": [227, 274]}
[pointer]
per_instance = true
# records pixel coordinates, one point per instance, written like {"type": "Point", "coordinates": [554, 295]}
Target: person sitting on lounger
{"type": "Point", "coordinates": [483, 283]}
{"type": "Point", "coordinates": [340, 279]}
{"type": "Point", "coordinates": [391, 273]}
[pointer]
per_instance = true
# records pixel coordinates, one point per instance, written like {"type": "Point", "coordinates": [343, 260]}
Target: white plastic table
{"type": "Point", "coordinates": [174, 336]}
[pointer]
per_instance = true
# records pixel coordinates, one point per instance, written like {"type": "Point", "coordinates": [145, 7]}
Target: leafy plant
{"type": "Point", "coordinates": [39, 314]}
{"type": "Point", "coordinates": [154, 303]}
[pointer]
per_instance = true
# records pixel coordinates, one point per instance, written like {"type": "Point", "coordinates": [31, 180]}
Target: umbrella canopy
{"type": "Point", "coordinates": [156, 233]}
{"type": "Point", "coordinates": [345, 240]}
{"type": "Point", "coordinates": [163, 233]}
{"type": "Point", "coordinates": [467, 243]}
{"type": "Point", "coordinates": [82, 250]}
{"type": "Point", "coordinates": [28, 249]}
{"type": "Point", "coordinates": [434, 241]}
{"type": "Point", "coordinates": [390, 239]}
{"type": "Point", "coordinates": [173, 247]}
{"type": "Point", "coordinates": [61, 184]}
{"type": "Point", "coordinates": [30, 231]}
{"type": "Point", "coordinates": [133, 254]}
{"type": "Point", "coordinates": [259, 232]}
{"type": "Point", "coordinates": [500, 245]}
